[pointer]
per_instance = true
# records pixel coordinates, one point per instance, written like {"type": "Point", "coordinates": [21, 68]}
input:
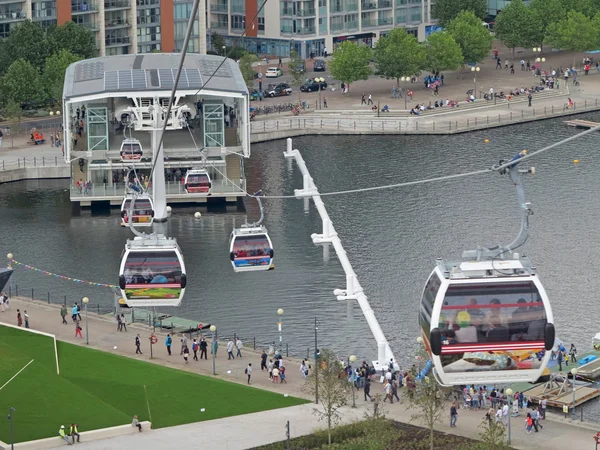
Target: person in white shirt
{"type": "Point", "coordinates": [388, 376]}
{"type": "Point", "coordinates": [303, 369]}
{"type": "Point", "coordinates": [249, 371]}
{"type": "Point", "coordinates": [499, 414]}
{"type": "Point", "coordinates": [230, 350]}
{"type": "Point", "coordinates": [505, 414]}
{"type": "Point", "coordinates": [239, 344]}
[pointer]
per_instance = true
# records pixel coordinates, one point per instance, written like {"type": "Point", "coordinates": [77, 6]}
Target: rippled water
{"type": "Point", "coordinates": [392, 236]}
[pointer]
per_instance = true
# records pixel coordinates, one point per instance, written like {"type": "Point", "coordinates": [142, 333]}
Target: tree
{"type": "Point", "coordinates": [21, 83]}
{"type": "Point", "coordinates": [296, 66]}
{"type": "Point", "coordinates": [76, 39]}
{"type": "Point", "coordinates": [577, 33]}
{"type": "Point", "coordinates": [54, 73]}
{"type": "Point", "coordinates": [12, 110]}
{"type": "Point", "coordinates": [332, 386]}
{"type": "Point", "coordinates": [350, 62]}
{"type": "Point", "coordinates": [474, 40]}
{"type": "Point", "coordinates": [545, 13]}
{"type": "Point", "coordinates": [218, 42]}
{"type": "Point", "coordinates": [246, 68]}
{"type": "Point", "coordinates": [587, 7]}
{"type": "Point", "coordinates": [398, 54]}
{"type": "Point", "coordinates": [516, 26]}
{"type": "Point", "coordinates": [447, 10]}
{"type": "Point", "coordinates": [491, 436]}
{"type": "Point", "coordinates": [442, 53]}
{"type": "Point", "coordinates": [27, 42]}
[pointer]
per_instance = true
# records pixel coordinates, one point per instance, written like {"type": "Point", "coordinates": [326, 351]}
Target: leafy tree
{"type": "Point", "coordinates": [447, 10]}
{"type": "Point", "coordinates": [295, 65]}
{"type": "Point", "coordinates": [398, 54]}
{"type": "Point", "coordinates": [333, 389]}
{"type": "Point", "coordinates": [27, 41]}
{"type": "Point", "coordinates": [76, 39]}
{"type": "Point", "coordinates": [350, 62]}
{"type": "Point", "coordinates": [586, 7]}
{"type": "Point", "coordinates": [217, 42]}
{"type": "Point", "coordinates": [577, 33]}
{"type": "Point", "coordinates": [54, 73]}
{"type": "Point", "coordinates": [246, 68]}
{"type": "Point", "coordinates": [491, 436]}
{"type": "Point", "coordinates": [21, 82]}
{"type": "Point", "coordinates": [474, 40]}
{"type": "Point", "coordinates": [442, 53]}
{"type": "Point", "coordinates": [13, 111]}
{"type": "Point", "coordinates": [516, 26]}
{"type": "Point", "coordinates": [545, 13]}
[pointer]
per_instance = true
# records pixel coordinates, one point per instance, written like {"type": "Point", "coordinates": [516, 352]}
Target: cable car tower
{"type": "Point", "coordinates": [487, 318]}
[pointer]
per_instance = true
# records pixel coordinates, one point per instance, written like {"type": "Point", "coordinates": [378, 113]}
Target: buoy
{"type": "Point", "coordinates": [169, 209]}
{"type": "Point", "coordinates": [197, 215]}
{"type": "Point", "coordinates": [576, 161]}
{"type": "Point", "coordinates": [9, 256]}
{"type": "Point", "coordinates": [487, 141]}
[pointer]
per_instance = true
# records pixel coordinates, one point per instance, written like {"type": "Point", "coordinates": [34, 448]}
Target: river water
{"type": "Point", "coordinates": [392, 236]}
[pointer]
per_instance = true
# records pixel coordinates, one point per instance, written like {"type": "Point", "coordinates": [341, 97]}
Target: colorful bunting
{"type": "Point", "coordinates": [62, 277]}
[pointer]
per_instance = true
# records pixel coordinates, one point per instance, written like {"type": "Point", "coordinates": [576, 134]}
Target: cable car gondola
{"type": "Point", "coordinates": [197, 181]}
{"type": "Point", "coordinates": [481, 315]}
{"type": "Point", "coordinates": [152, 272]}
{"type": "Point", "coordinates": [131, 150]}
{"type": "Point", "coordinates": [142, 210]}
{"type": "Point", "coordinates": [250, 249]}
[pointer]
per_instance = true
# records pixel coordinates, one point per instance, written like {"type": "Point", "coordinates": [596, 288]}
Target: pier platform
{"type": "Point", "coordinates": [578, 123]}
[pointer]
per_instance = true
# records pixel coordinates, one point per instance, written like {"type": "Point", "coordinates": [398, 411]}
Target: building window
{"type": "Point", "coordinates": [238, 22]}
{"type": "Point", "coordinates": [261, 24]}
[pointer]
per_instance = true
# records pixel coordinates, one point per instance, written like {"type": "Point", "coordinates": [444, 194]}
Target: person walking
{"type": "Point", "coordinates": [453, 415]}
{"type": "Point", "coordinates": [543, 405]}
{"type": "Point", "coordinates": [263, 361]}
{"type": "Point", "coordinates": [138, 351]}
{"type": "Point", "coordinates": [367, 389]}
{"type": "Point", "coordinates": [534, 419]}
{"type": "Point", "coordinates": [498, 64]}
{"type": "Point", "coordinates": [512, 69]}
{"type": "Point", "coordinates": [395, 390]}
{"type": "Point", "coordinates": [19, 318]}
{"type": "Point", "coordinates": [186, 354]}
{"type": "Point", "coordinates": [63, 313]}
{"type": "Point", "coordinates": [529, 97]}
{"type": "Point", "coordinates": [363, 100]}
{"type": "Point", "coordinates": [74, 432]}
{"type": "Point", "coordinates": [230, 350]}
{"type": "Point", "coordinates": [123, 322]}
{"type": "Point", "coordinates": [370, 101]}
{"type": "Point", "coordinates": [63, 435]}
{"type": "Point", "coordinates": [387, 389]}
{"type": "Point", "coordinates": [239, 345]}
{"type": "Point", "coordinates": [573, 353]}
{"type": "Point", "coordinates": [26, 317]}
{"type": "Point", "coordinates": [505, 414]}
{"type": "Point", "coordinates": [249, 371]}
{"type": "Point", "coordinates": [271, 366]}
{"type": "Point", "coordinates": [559, 360]}
{"type": "Point", "coordinates": [195, 349]}
{"type": "Point", "coordinates": [119, 324]}
{"type": "Point", "coordinates": [168, 343]}
{"type": "Point", "coordinates": [78, 329]}
{"type": "Point", "coordinates": [203, 347]}
{"type": "Point", "coordinates": [325, 102]}
{"type": "Point", "coordinates": [74, 312]}
{"type": "Point", "coordinates": [183, 344]}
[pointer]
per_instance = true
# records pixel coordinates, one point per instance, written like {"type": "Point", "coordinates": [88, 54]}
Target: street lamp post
{"type": "Point", "coordinates": [280, 327]}
{"type": "Point", "coordinates": [11, 410]}
{"type": "Point", "coordinates": [536, 51]}
{"type": "Point", "coordinates": [404, 80]}
{"type": "Point", "coordinates": [224, 50]}
{"type": "Point", "coordinates": [475, 71]}
{"type": "Point", "coordinates": [85, 301]}
{"type": "Point", "coordinates": [316, 365]}
{"type": "Point", "coordinates": [574, 373]}
{"type": "Point", "coordinates": [320, 80]}
{"type": "Point", "coordinates": [540, 61]}
{"type": "Point", "coordinates": [509, 394]}
{"type": "Point", "coordinates": [352, 360]}
{"type": "Point", "coordinates": [213, 330]}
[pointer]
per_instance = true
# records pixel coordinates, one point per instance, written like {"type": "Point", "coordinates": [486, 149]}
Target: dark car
{"type": "Point", "coordinates": [319, 66]}
{"type": "Point", "coordinates": [278, 90]}
{"type": "Point", "coordinates": [312, 86]}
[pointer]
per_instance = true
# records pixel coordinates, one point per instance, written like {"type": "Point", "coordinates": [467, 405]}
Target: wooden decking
{"type": "Point", "coordinates": [560, 393]}
{"type": "Point", "coordinates": [578, 123]}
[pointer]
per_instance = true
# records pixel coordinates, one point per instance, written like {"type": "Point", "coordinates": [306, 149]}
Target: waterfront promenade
{"type": "Point", "coordinates": [260, 428]}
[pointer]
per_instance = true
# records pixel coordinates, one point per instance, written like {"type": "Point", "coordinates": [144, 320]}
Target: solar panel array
{"type": "Point", "coordinates": [209, 67]}
{"type": "Point", "coordinates": [136, 79]}
{"type": "Point", "coordinates": [89, 71]}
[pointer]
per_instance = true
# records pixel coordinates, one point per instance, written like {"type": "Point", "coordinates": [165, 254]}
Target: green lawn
{"type": "Point", "coordinates": [98, 390]}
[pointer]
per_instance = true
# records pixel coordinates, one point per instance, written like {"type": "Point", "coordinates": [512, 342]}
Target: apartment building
{"type": "Point", "coordinates": [121, 26]}
{"type": "Point", "coordinates": [312, 26]}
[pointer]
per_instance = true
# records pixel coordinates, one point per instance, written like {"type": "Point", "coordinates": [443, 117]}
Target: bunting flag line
{"type": "Point", "coordinates": [63, 277]}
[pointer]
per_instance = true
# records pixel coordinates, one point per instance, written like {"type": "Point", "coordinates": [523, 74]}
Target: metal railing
{"type": "Point", "coordinates": [32, 162]}
{"type": "Point", "coordinates": [425, 124]}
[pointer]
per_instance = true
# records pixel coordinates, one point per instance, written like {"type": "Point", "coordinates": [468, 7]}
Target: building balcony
{"type": "Point", "coordinates": [351, 26]}
{"type": "Point", "coordinates": [307, 13]}
{"type": "Point", "coordinates": [11, 16]}
{"type": "Point", "coordinates": [117, 41]}
{"type": "Point", "coordinates": [336, 27]}
{"type": "Point", "coordinates": [116, 4]}
{"type": "Point", "coordinates": [370, 23]}
{"type": "Point", "coordinates": [116, 23]}
{"type": "Point", "coordinates": [90, 26]}
{"type": "Point", "coordinates": [219, 7]}
{"type": "Point", "coordinates": [238, 8]}
{"type": "Point", "coordinates": [219, 25]}
{"type": "Point", "coordinates": [307, 30]}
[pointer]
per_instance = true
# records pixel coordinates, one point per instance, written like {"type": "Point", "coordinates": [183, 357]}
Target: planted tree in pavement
{"type": "Point", "coordinates": [474, 40]}
{"type": "Point", "coordinates": [447, 10]}
{"type": "Point", "coordinates": [350, 62]}
{"type": "Point", "coordinates": [398, 54]}
{"type": "Point", "coordinates": [442, 52]}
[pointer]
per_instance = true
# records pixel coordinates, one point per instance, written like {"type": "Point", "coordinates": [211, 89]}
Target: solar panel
{"type": "Point", "coordinates": [111, 81]}
{"type": "Point", "coordinates": [166, 78]}
{"type": "Point", "coordinates": [89, 71]}
{"type": "Point", "coordinates": [125, 80]}
{"type": "Point", "coordinates": [139, 78]}
{"type": "Point", "coordinates": [194, 78]}
{"type": "Point", "coordinates": [208, 67]}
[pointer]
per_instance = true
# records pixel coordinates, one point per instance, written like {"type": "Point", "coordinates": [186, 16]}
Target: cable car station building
{"type": "Point", "coordinates": [120, 99]}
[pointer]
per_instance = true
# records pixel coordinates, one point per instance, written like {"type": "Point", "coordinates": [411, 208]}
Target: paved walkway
{"type": "Point", "coordinates": [251, 430]}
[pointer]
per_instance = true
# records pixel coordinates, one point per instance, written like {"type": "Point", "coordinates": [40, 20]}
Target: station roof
{"type": "Point", "coordinates": [151, 72]}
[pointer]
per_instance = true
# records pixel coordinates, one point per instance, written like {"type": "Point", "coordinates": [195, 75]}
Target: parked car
{"type": "Point", "coordinates": [274, 72]}
{"type": "Point", "coordinates": [312, 86]}
{"type": "Point", "coordinates": [254, 94]}
{"type": "Point", "coordinates": [319, 66]}
{"type": "Point", "coordinates": [278, 90]}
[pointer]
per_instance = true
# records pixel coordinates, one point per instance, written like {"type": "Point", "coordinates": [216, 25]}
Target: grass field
{"type": "Point", "coordinates": [97, 390]}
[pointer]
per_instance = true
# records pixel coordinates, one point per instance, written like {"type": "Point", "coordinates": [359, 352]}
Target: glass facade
{"type": "Point", "coordinates": [148, 22]}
